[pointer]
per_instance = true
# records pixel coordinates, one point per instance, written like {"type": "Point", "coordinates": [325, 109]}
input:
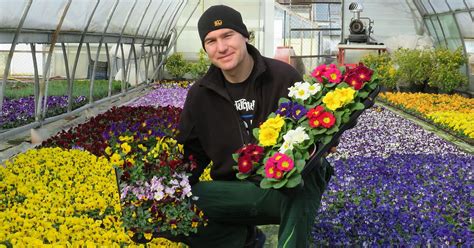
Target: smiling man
{"type": "Point", "coordinates": [240, 89]}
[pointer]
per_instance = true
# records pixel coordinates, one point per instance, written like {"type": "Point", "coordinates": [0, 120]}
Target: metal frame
{"type": "Point", "coordinates": [425, 15]}
{"type": "Point", "coordinates": [157, 42]}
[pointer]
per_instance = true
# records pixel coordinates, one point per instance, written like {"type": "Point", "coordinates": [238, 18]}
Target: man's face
{"type": "Point", "coordinates": [226, 48]}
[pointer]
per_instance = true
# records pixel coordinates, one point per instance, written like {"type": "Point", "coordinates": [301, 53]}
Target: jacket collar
{"type": "Point", "coordinates": [214, 79]}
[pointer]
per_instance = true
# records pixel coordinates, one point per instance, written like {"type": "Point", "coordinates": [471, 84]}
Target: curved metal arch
{"type": "Point", "coordinates": [439, 22]}
{"type": "Point", "coordinates": [94, 70]}
{"type": "Point", "coordinates": [76, 60]}
{"type": "Point", "coordinates": [132, 48]}
{"type": "Point", "coordinates": [12, 50]}
{"type": "Point", "coordinates": [45, 79]}
{"type": "Point", "coordinates": [119, 44]}
{"type": "Point", "coordinates": [175, 38]}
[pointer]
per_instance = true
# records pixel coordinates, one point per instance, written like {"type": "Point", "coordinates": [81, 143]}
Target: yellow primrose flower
{"type": "Point", "coordinates": [268, 136]}
{"type": "Point", "coordinates": [276, 123]}
{"type": "Point", "coordinates": [338, 98]}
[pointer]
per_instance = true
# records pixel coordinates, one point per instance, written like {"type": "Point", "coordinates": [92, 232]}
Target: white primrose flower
{"type": "Point", "coordinates": [314, 88]}
{"type": "Point", "coordinates": [285, 147]}
{"type": "Point", "coordinates": [300, 90]}
{"type": "Point", "coordinates": [293, 137]}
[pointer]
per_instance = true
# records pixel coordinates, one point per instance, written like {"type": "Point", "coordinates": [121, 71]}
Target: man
{"type": "Point", "coordinates": [240, 89]}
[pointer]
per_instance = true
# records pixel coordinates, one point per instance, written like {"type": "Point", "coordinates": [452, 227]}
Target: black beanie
{"type": "Point", "coordinates": [220, 16]}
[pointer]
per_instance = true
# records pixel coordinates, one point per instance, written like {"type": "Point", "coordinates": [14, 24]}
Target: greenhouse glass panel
{"type": "Point", "coordinates": [465, 24]}
{"type": "Point", "coordinates": [470, 4]}
{"type": "Point", "coordinates": [440, 6]}
{"type": "Point", "coordinates": [456, 4]}
{"type": "Point", "coordinates": [451, 31]}
{"type": "Point", "coordinates": [427, 6]}
{"type": "Point", "coordinates": [429, 24]}
{"type": "Point", "coordinates": [438, 31]}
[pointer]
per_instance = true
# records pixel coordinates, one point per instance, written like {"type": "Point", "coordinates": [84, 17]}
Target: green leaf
{"type": "Point", "coordinates": [291, 172]}
{"type": "Point", "coordinates": [300, 164]}
{"type": "Point", "coordinates": [317, 131]}
{"type": "Point", "coordinates": [235, 156]}
{"type": "Point", "coordinates": [326, 139]}
{"type": "Point", "coordinates": [334, 129]}
{"type": "Point", "coordinates": [282, 100]}
{"type": "Point", "coordinates": [358, 106]}
{"type": "Point", "coordinates": [345, 117]}
{"type": "Point", "coordinates": [256, 132]}
{"type": "Point", "coordinates": [343, 85]}
{"type": "Point", "coordinates": [265, 184]}
{"type": "Point", "coordinates": [363, 94]}
{"type": "Point", "coordinates": [294, 181]}
{"type": "Point", "coordinates": [242, 176]}
{"type": "Point", "coordinates": [280, 183]}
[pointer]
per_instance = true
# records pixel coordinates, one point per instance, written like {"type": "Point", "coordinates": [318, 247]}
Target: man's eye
{"type": "Point", "coordinates": [209, 42]}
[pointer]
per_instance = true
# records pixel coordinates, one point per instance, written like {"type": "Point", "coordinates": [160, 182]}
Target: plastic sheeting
{"type": "Point", "coordinates": [44, 15]}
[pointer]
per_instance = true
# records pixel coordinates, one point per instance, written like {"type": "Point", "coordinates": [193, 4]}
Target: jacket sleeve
{"type": "Point", "coordinates": [192, 146]}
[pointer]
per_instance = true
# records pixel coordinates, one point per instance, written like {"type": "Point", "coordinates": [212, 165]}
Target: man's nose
{"type": "Point", "coordinates": [221, 46]}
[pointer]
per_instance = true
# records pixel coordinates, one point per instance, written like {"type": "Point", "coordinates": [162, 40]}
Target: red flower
{"type": "Point", "coordinates": [333, 75]}
{"type": "Point", "coordinates": [315, 112]}
{"type": "Point", "coordinates": [314, 122]}
{"type": "Point", "coordinates": [354, 81]}
{"type": "Point", "coordinates": [318, 73]}
{"type": "Point", "coordinates": [285, 164]}
{"type": "Point", "coordinates": [356, 77]}
{"type": "Point", "coordinates": [245, 164]}
{"type": "Point", "coordinates": [327, 119]}
{"type": "Point", "coordinates": [270, 170]}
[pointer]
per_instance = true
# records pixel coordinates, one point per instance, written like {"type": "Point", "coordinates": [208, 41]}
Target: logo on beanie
{"type": "Point", "coordinates": [217, 23]}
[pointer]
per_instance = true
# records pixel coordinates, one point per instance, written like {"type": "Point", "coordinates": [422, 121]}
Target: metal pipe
{"type": "Point", "coordinates": [143, 54]}
{"type": "Point", "coordinates": [154, 37]}
{"type": "Point", "coordinates": [76, 60]}
{"type": "Point", "coordinates": [109, 69]}
{"type": "Point", "coordinates": [94, 69]}
{"type": "Point", "coordinates": [133, 47]}
{"type": "Point", "coordinates": [439, 22]}
{"type": "Point", "coordinates": [168, 29]}
{"type": "Point", "coordinates": [36, 73]}
{"type": "Point", "coordinates": [114, 61]}
{"type": "Point", "coordinates": [47, 66]}
{"type": "Point", "coordinates": [10, 54]}
{"type": "Point", "coordinates": [175, 38]}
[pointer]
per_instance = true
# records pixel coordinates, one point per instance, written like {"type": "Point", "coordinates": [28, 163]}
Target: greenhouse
{"type": "Point", "coordinates": [246, 123]}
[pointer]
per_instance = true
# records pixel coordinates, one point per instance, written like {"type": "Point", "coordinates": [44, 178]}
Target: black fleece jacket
{"type": "Point", "coordinates": [210, 127]}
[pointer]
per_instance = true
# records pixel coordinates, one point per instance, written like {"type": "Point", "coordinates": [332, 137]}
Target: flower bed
{"type": "Point", "coordinates": [21, 111]}
{"type": "Point", "coordinates": [61, 197]}
{"type": "Point", "coordinates": [93, 135]}
{"type": "Point", "coordinates": [396, 184]}
{"type": "Point", "coordinates": [452, 112]}
{"type": "Point", "coordinates": [164, 94]}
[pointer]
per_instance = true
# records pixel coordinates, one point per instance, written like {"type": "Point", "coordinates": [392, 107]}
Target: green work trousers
{"type": "Point", "coordinates": [232, 206]}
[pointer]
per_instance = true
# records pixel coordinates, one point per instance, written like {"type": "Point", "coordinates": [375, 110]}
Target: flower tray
{"type": "Point", "coordinates": [324, 148]}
